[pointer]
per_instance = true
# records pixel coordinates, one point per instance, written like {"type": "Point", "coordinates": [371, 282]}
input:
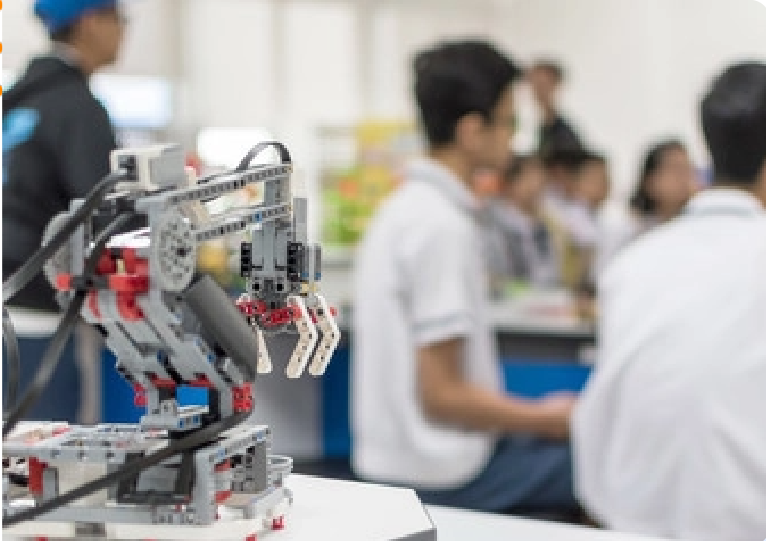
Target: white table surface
{"type": "Point", "coordinates": [330, 510]}
{"type": "Point", "coordinates": [327, 509]}
{"type": "Point", "coordinates": [460, 525]}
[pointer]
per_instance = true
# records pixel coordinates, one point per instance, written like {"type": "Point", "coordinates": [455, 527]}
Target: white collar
{"type": "Point", "coordinates": [724, 200]}
{"type": "Point", "coordinates": [431, 171]}
{"type": "Point", "coordinates": [67, 54]}
{"type": "Point", "coordinates": [510, 216]}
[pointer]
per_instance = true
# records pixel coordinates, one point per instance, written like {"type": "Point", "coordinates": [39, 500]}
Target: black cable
{"type": "Point", "coordinates": [22, 277]}
{"type": "Point", "coordinates": [129, 470]}
{"type": "Point", "coordinates": [60, 338]}
{"type": "Point", "coordinates": [34, 264]}
{"type": "Point", "coordinates": [14, 361]}
{"type": "Point", "coordinates": [284, 154]}
{"type": "Point", "coordinates": [48, 364]}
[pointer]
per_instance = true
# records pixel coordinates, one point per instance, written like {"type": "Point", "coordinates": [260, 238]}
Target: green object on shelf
{"type": "Point", "coordinates": [517, 288]}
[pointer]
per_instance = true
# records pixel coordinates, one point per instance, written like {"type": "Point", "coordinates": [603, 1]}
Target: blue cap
{"type": "Point", "coordinates": [57, 14]}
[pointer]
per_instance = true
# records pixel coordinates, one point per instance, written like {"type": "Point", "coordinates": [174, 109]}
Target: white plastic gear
{"type": "Point", "coordinates": [61, 261]}
{"type": "Point", "coordinates": [173, 252]}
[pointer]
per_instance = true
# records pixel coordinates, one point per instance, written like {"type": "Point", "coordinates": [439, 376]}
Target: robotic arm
{"type": "Point", "coordinates": [171, 327]}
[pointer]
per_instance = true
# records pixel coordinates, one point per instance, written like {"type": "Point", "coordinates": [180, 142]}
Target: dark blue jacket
{"type": "Point", "coordinates": [56, 143]}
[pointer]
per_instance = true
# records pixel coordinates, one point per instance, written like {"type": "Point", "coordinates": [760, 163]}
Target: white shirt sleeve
{"type": "Point", "coordinates": [442, 276]}
{"type": "Point", "coordinates": [582, 225]}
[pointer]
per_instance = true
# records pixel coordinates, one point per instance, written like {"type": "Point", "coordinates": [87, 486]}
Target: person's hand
{"type": "Point", "coordinates": [555, 411]}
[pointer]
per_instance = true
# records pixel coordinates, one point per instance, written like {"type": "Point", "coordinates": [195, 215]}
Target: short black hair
{"type": "Point", "coordinates": [63, 34]}
{"type": "Point", "coordinates": [589, 156]}
{"type": "Point", "coordinates": [734, 123]}
{"type": "Point", "coordinates": [641, 201]}
{"type": "Point", "coordinates": [553, 67]}
{"type": "Point", "coordinates": [518, 165]}
{"type": "Point", "coordinates": [455, 79]}
{"type": "Point", "coordinates": [568, 157]}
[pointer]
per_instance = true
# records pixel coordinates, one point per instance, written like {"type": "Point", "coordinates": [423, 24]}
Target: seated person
{"type": "Point", "coordinates": [592, 184]}
{"type": "Point", "coordinates": [590, 192]}
{"type": "Point", "coordinates": [519, 241]}
{"type": "Point", "coordinates": [667, 180]}
{"type": "Point", "coordinates": [669, 433]}
{"type": "Point", "coordinates": [666, 183]}
{"type": "Point", "coordinates": [574, 236]}
{"type": "Point", "coordinates": [429, 410]}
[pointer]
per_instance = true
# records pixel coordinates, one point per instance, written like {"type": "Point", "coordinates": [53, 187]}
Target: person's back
{"type": "Point", "coordinates": [40, 180]}
{"type": "Point", "coordinates": [518, 238]}
{"type": "Point", "coordinates": [402, 446]}
{"type": "Point", "coordinates": [669, 433]}
{"type": "Point", "coordinates": [429, 408]}
{"type": "Point", "coordinates": [57, 136]}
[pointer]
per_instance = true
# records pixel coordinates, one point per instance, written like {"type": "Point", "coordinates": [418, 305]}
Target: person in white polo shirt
{"type": "Point", "coordinates": [429, 410]}
{"type": "Point", "coordinates": [670, 432]}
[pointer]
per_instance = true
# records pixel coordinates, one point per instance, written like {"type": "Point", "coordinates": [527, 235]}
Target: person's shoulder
{"type": "Point", "coordinates": [642, 251]}
{"type": "Point", "coordinates": [70, 102]}
{"type": "Point", "coordinates": [423, 205]}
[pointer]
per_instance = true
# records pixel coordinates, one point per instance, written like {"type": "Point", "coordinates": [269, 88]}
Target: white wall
{"type": "Point", "coordinates": [151, 44]}
{"type": "Point", "coordinates": [638, 68]}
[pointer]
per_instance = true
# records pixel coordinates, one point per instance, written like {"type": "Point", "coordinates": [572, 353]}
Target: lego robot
{"type": "Point", "coordinates": [183, 472]}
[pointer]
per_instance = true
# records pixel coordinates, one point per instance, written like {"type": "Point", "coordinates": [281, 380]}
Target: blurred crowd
{"type": "Point", "coordinates": [545, 223]}
{"type": "Point", "coordinates": [668, 422]}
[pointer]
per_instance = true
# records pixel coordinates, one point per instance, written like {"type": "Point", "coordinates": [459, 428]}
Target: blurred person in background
{"type": "Point", "coordinates": [590, 193]}
{"type": "Point", "coordinates": [590, 190]}
{"type": "Point", "coordinates": [666, 183]}
{"type": "Point", "coordinates": [593, 183]}
{"type": "Point", "coordinates": [561, 168]}
{"type": "Point", "coordinates": [667, 180]}
{"type": "Point", "coordinates": [669, 431]}
{"type": "Point", "coordinates": [519, 243]}
{"type": "Point", "coordinates": [56, 143]}
{"type": "Point", "coordinates": [429, 408]}
{"type": "Point", "coordinates": [546, 78]}
{"type": "Point", "coordinates": [574, 236]}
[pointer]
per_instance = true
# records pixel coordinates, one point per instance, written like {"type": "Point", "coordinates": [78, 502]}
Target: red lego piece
{"type": "Point", "coordinates": [61, 430]}
{"type": "Point", "coordinates": [64, 282]}
{"type": "Point", "coordinates": [142, 267]}
{"type": "Point", "coordinates": [130, 283]}
{"type": "Point", "coordinates": [245, 307]}
{"type": "Point", "coordinates": [106, 265]}
{"type": "Point", "coordinates": [222, 495]}
{"type": "Point", "coordinates": [139, 396]}
{"type": "Point", "coordinates": [129, 257]}
{"type": "Point", "coordinates": [93, 304]}
{"type": "Point", "coordinates": [127, 307]}
{"type": "Point", "coordinates": [280, 316]}
{"type": "Point", "coordinates": [252, 537]}
{"type": "Point", "coordinates": [35, 482]}
{"type": "Point", "coordinates": [278, 523]}
{"type": "Point", "coordinates": [201, 381]}
{"type": "Point", "coordinates": [162, 383]}
{"type": "Point", "coordinates": [242, 397]}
